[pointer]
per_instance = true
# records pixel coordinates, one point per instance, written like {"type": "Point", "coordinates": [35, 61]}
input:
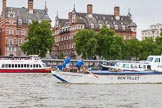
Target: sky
{"type": "Point", "coordinates": [144, 12]}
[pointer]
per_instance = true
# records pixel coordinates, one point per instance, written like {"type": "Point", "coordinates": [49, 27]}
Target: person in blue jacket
{"type": "Point", "coordinates": [66, 64]}
{"type": "Point", "coordinates": [79, 64]}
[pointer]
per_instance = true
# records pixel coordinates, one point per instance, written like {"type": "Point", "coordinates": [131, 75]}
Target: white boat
{"type": "Point", "coordinates": [29, 64]}
{"type": "Point", "coordinates": [129, 66]}
{"type": "Point", "coordinates": [155, 61]}
{"type": "Point", "coordinates": [149, 71]}
{"type": "Point", "coordinates": [106, 77]}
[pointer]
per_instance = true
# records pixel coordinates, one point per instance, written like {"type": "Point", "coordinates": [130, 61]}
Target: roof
{"type": "Point", "coordinates": [25, 16]}
{"type": "Point", "coordinates": [103, 19]}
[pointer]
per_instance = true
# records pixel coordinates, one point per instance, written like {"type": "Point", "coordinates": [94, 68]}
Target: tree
{"type": "Point", "coordinates": [133, 47]}
{"type": "Point", "coordinates": [116, 47]}
{"type": "Point", "coordinates": [105, 39]}
{"type": "Point", "coordinates": [85, 43]}
{"type": "Point", "coordinates": [148, 47]}
{"type": "Point", "coordinates": [39, 39]}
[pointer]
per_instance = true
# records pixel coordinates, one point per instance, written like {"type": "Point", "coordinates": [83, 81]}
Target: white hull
{"type": "Point", "coordinates": [103, 79]}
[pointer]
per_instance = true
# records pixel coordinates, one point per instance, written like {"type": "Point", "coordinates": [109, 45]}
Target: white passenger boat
{"type": "Point", "coordinates": [129, 66]}
{"type": "Point", "coordinates": [29, 64]}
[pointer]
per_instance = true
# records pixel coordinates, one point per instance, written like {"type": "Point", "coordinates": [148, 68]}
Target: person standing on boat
{"type": "Point", "coordinates": [79, 64]}
{"type": "Point", "coordinates": [66, 64]}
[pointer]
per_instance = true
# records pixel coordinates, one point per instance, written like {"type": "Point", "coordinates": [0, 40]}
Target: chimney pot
{"type": "Point", "coordinates": [89, 9]}
{"type": "Point", "coordinates": [116, 11]}
{"type": "Point", "coordinates": [30, 6]}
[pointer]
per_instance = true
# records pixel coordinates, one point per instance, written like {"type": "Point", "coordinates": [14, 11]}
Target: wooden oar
{"type": "Point", "coordinates": [92, 73]}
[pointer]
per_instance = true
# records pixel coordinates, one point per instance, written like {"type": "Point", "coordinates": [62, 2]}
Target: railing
{"type": "Point", "coordinates": [87, 63]}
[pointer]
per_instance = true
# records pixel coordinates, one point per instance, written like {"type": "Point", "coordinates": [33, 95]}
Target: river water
{"type": "Point", "coordinates": [41, 91]}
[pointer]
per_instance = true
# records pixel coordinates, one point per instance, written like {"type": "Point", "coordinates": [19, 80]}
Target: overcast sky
{"type": "Point", "coordinates": [144, 12]}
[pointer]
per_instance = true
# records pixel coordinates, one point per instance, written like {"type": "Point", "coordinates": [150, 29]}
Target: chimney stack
{"type": "Point", "coordinates": [30, 6]}
{"type": "Point", "coordinates": [116, 11]}
{"type": "Point", "coordinates": [89, 9]}
{"type": "Point", "coordinates": [4, 4]}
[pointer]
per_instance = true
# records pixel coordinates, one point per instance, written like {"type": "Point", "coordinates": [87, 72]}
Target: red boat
{"type": "Point", "coordinates": [29, 64]}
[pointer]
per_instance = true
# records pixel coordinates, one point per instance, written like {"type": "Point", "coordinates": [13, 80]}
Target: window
{"type": "Point", "coordinates": [108, 26]}
{"type": "Point", "coordinates": [11, 31]}
{"type": "Point", "coordinates": [92, 25]}
{"type": "Point", "coordinates": [100, 26]}
{"type": "Point", "coordinates": [116, 27]}
{"type": "Point", "coordinates": [19, 21]}
{"type": "Point", "coordinates": [157, 60]}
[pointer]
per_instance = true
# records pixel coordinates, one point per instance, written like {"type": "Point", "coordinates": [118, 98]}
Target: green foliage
{"type": "Point", "coordinates": [85, 43]}
{"type": "Point", "coordinates": [105, 44]}
{"type": "Point", "coordinates": [105, 39]}
{"type": "Point", "coordinates": [39, 39]}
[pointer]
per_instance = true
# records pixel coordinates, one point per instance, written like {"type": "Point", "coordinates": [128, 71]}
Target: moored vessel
{"type": "Point", "coordinates": [29, 64]}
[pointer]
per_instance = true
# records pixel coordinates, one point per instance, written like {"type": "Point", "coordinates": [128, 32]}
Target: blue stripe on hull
{"type": "Point", "coordinates": [126, 73]}
{"type": "Point", "coordinates": [59, 78]}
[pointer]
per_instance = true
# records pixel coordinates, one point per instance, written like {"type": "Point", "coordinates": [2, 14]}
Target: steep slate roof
{"type": "Point", "coordinates": [63, 22]}
{"type": "Point", "coordinates": [23, 14]}
{"type": "Point", "coordinates": [103, 19]}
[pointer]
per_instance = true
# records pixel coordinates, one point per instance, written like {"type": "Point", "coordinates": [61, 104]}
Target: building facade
{"type": "Point", "coordinates": [66, 28]}
{"type": "Point", "coordinates": [14, 26]}
{"type": "Point", "coordinates": [153, 32]}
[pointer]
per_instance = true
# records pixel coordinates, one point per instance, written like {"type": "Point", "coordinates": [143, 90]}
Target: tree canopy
{"type": "Point", "coordinates": [106, 44]}
{"type": "Point", "coordinates": [39, 40]}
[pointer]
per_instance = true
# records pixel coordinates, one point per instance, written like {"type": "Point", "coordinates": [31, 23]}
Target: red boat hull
{"type": "Point", "coordinates": [25, 71]}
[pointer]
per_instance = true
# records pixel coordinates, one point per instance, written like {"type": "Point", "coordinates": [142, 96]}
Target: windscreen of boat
{"type": "Point", "coordinates": [157, 60]}
{"type": "Point", "coordinates": [150, 59]}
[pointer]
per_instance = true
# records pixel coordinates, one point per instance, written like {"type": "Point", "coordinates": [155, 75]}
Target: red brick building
{"type": "Point", "coordinates": [14, 26]}
{"type": "Point", "coordinates": [66, 28]}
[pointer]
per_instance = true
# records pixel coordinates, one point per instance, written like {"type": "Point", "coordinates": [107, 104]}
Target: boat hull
{"type": "Point", "coordinates": [25, 71]}
{"type": "Point", "coordinates": [109, 77]}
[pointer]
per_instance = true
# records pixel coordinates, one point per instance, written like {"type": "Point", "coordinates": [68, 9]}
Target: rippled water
{"type": "Point", "coordinates": [41, 91]}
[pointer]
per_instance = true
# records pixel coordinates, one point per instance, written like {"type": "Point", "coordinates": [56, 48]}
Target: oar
{"type": "Point", "coordinates": [92, 73]}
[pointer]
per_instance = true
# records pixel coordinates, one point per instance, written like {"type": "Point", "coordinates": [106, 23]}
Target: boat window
{"type": "Point", "coordinates": [157, 60]}
{"type": "Point", "coordinates": [25, 65]}
{"type": "Point", "coordinates": [12, 65]}
{"type": "Point", "coordinates": [39, 65]}
{"type": "Point", "coordinates": [125, 65]}
{"type": "Point", "coordinates": [148, 67]}
{"type": "Point", "coordinates": [9, 65]}
{"type": "Point", "coordinates": [15, 65]}
{"type": "Point", "coordinates": [150, 59]}
{"type": "Point", "coordinates": [36, 65]}
{"type": "Point", "coordinates": [3, 66]}
{"type": "Point", "coordinates": [22, 65]}
{"type": "Point", "coordinates": [18, 65]}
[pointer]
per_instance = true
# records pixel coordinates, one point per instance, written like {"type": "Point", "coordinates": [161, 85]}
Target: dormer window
{"type": "Point", "coordinates": [116, 27]}
{"type": "Point", "coordinates": [123, 27]}
{"type": "Point", "coordinates": [100, 26]}
{"type": "Point", "coordinates": [108, 26]}
{"type": "Point", "coordinates": [92, 25]}
{"type": "Point", "coordinates": [73, 18]}
{"type": "Point", "coordinates": [19, 21]}
{"type": "Point", "coordinates": [29, 21]}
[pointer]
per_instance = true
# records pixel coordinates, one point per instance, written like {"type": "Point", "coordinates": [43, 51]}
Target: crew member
{"type": "Point", "coordinates": [79, 64]}
{"type": "Point", "coordinates": [66, 64]}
